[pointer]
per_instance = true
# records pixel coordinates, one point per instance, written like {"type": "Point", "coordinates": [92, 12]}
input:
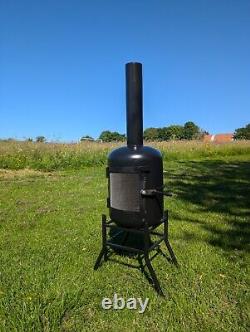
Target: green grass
{"type": "Point", "coordinates": [50, 237]}
{"type": "Point", "coordinates": [58, 156]}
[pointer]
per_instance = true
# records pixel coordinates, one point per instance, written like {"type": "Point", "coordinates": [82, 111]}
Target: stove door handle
{"type": "Point", "coordinates": [153, 192]}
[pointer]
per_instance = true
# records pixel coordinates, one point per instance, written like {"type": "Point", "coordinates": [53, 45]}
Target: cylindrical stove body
{"type": "Point", "coordinates": [134, 169]}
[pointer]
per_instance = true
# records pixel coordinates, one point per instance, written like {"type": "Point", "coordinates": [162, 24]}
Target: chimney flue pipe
{"type": "Point", "coordinates": [134, 104]}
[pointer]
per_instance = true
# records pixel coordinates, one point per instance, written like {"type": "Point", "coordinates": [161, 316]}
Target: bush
{"type": "Point", "coordinates": [242, 133]}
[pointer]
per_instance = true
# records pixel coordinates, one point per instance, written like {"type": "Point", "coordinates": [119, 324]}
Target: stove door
{"type": "Point", "coordinates": [125, 191]}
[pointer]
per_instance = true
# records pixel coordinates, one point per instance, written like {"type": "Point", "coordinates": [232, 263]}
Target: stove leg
{"type": "Point", "coordinates": [104, 250]}
{"type": "Point", "coordinates": [99, 258]}
{"type": "Point", "coordinates": [170, 250]}
{"type": "Point", "coordinates": [153, 276]}
{"type": "Point", "coordinates": [148, 263]}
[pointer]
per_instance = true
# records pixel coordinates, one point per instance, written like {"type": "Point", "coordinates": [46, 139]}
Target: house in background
{"type": "Point", "coordinates": [219, 138]}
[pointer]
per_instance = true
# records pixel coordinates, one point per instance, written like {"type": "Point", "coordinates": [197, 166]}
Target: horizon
{"type": "Point", "coordinates": [92, 139]}
{"type": "Point", "coordinates": [63, 65]}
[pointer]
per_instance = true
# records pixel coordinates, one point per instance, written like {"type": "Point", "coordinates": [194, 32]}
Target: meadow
{"type": "Point", "coordinates": [57, 156]}
{"type": "Point", "coordinates": [51, 200]}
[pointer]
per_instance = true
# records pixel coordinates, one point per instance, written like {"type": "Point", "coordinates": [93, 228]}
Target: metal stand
{"type": "Point", "coordinates": [143, 253]}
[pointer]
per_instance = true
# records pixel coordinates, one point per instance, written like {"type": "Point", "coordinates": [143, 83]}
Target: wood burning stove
{"type": "Point", "coordinates": [135, 182]}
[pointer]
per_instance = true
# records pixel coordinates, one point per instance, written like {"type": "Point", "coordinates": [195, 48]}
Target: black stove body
{"type": "Point", "coordinates": [135, 177]}
{"type": "Point", "coordinates": [135, 187]}
{"type": "Point", "coordinates": [135, 172]}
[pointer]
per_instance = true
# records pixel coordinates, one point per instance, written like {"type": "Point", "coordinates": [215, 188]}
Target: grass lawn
{"type": "Point", "coordinates": [50, 236]}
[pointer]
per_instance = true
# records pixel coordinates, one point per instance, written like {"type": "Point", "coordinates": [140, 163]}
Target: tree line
{"type": "Point", "coordinates": [189, 131]}
{"type": "Point", "coordinates": [242, 133]}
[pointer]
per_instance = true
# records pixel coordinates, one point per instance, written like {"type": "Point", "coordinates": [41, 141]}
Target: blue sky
{"type": "Point", "coordinates": [62, 64]}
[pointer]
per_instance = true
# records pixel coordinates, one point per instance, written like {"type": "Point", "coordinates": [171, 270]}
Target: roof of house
{"type": "Point", "coordinates": [218, 138]}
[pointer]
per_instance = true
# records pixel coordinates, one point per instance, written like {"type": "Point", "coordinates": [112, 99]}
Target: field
{"type": "Point", "coordinates": [51, 200]}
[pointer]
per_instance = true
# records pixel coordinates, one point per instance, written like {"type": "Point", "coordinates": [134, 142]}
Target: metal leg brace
{"type": "Point", "coordinates": [142, 253]}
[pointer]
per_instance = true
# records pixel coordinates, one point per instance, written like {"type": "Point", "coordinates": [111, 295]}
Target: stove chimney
{"type": "Point", "coordinates": [134, 104]}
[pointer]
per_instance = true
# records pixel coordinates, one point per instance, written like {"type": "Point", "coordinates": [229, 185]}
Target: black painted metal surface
{"type": "Point", "coordinates": [135, 159]}
{"type": "Point", "coordinates": [134, 104]}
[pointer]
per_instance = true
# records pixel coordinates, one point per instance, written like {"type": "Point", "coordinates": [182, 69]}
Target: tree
{"type": "Point", "coordinates": [151, 134]}
{"type": "Point", "coordinates": [86, 138]}
{"type": "Point", "coordinates": [242, 133]}
{"type": "Point", "coordinates": [111, 136]}
{"type": "Point", "coordinates": [40, 139]}
{"type": "Point", "coordinates": [191, 131]}
{"type": "Point", "coordinates": [174, 132]}
{"type": "Point", "coordinates": [29, 139]}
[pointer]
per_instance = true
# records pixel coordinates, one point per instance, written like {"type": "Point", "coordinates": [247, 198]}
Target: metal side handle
{"type": "Point", "coordinates": [153, 192]}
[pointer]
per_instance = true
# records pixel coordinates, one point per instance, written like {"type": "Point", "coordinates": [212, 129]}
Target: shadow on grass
{"type": "Point", "coordinates": [221, 188]}
{"type": "Point", "coordinates": [135, 241]}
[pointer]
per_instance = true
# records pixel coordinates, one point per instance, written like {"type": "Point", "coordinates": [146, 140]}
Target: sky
{"type": "Point", "coordinates": [62, 65]}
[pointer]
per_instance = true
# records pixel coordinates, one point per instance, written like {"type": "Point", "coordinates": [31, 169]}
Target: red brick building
{"type": "Point", "coordinates": [219, 138]}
